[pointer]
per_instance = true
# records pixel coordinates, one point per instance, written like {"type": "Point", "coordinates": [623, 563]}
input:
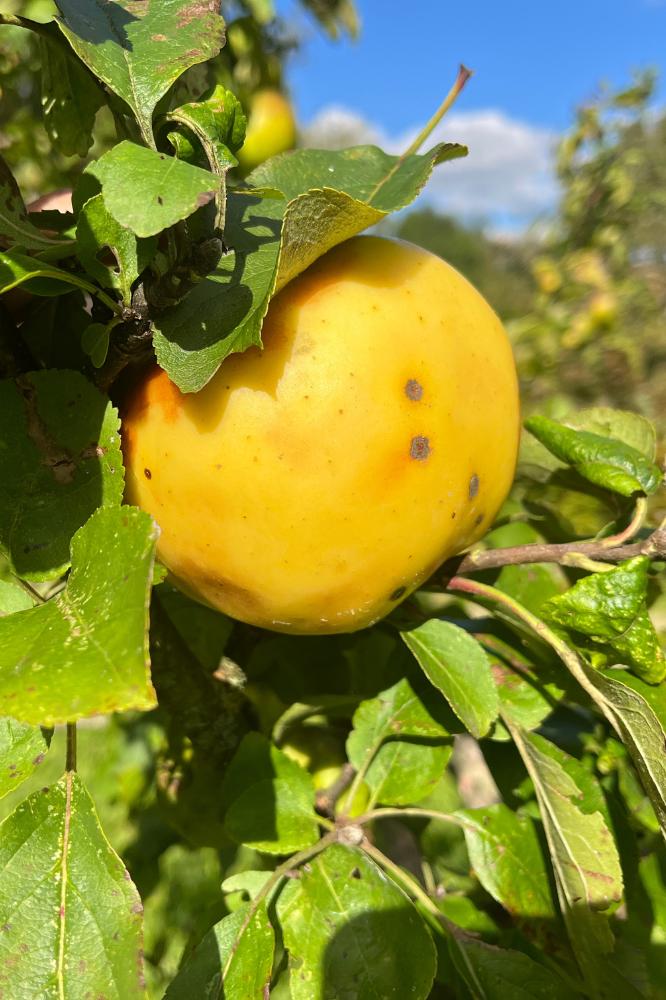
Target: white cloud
{"type": "Point", "coordinates": [507, 179]}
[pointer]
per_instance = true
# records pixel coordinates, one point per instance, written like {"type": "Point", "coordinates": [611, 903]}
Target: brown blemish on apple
{"type": "Point", "coordinates": [419, 448]}
{"type": "Point", "coordinates": [398, 593]}
{"type": "Point", "coordinates": [147, 473]}
{"type": "Point", "coordinates": [414, 390]}
{"type": "Point", "coordinates": [216, 588]}
{"type": "Point", "coordinates": [473, 486]}
{"type": "Point", "coordinates": [479, 519]}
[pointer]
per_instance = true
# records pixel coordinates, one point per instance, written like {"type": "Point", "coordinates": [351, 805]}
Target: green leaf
{"type": "Point", "coordinates": [218, 123]}
{"type": "Point", "coordinates": [528, 691]}
{"type": "Point", "coordinates": [402, 744]}
{"type": "Point", "coordinates": [583, 853]}
{"type": "Point", "coordinates": [85, 652]}
{"type": "Point", "coordinates": [138, 52]}
{"type": "Point", "coordinates": [461, 911]}
{"type": "Point", "coordinates": [185, 148]}
{"type": "Point", "coordinates": [97, 231]}
{"type": "Point", "coordinates": [404, 771]}
{"type": "Point", "coordinates": [223, 314]}
{"type": "Point", "coordinates": [498, 973]}
{"type": "Point", "coordinates": [234, 960]}
{"type": "Point", "coordinates": [397, 712]}
{"type": "Point", "coordinates": [41, 278]}
{"type": "Point", "coordinates": [638, 712]}
{"type": "Point", "coordinates": [457, 665]}
{"type": "Point", "coordinates": [13, 598]}
{"type": "Point", "coordinates": [506, 854]}
{"type": "Point", "coordinates": [164, 190]}
{"type": "Point", "coordinates": [22, 749]}
{"type": "Point", "coordinates": [70, 99]}
{"type": "Point", "coordinates": [95, 342]}
{"type": "Point", "coordinates": [269, 799]}
{"type": "Point", "coordinates": [250, 882]}
{"type": "Point", "coordinates": [530, 585]}
{"type": "Point", "coordinates": [70, 915]}
{"type": "Point", "coordinates": [633, 429]}
{"type": "Point", "coordinates": [15, 226]}
{"type": "Point", "coordinates": [604, 461]}
{"type": "Point", "coordinates": [610, 608]}
{"type": "Point", "coordinates": [335, 195]}
{"type": "Point", "coordinates": [43, 328]}
{"type": "Point", "coordinates": [63, 436]}
{"type": "Point", "coordinates": [350, 932]}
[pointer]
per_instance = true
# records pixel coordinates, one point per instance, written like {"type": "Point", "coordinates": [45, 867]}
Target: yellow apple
{"type": "Point", "coordinates": [271, 129]}
{"type": "Point", "coordinates": [314, 484]}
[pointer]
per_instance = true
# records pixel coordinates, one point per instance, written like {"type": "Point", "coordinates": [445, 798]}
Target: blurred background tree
{"type": "Point", "coordinates": [597, 329]}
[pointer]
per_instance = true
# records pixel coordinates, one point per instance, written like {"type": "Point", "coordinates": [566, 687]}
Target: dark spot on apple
{"type": "Point", "coordinates": [419, 448]}
{"type": "Point", "coordinates": [479, 520]}
{"type": "Point", "coordinates": [473, 486]}
{"type": "Point", "coordinates": [147, 473]}
{"type": "Point", "coordinates": [356, 873]}
{"type": "Point", "coordinates": [453, 515]}
{"type": "Point", "coordinates": [160, 199]}
{"type": "Point", "coordinates": [414, 390]}
{"type": "Point", "coordinates": [398, 593]}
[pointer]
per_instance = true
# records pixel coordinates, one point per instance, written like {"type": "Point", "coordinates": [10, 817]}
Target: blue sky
{"type": "Point", "coordinates": [533, 62]}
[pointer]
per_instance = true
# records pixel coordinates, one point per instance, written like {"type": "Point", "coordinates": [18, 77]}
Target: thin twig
{"type": "Point", "coordinates": [462, 78]}
{"type": "Point", "coordinates": [635, 524]}
{"type": "Point", "coordinates": [566, 554]}
{"type": "Point", "coordinates": [16, 21]}
{"type": "Point", "coordinates": [418, 813]}
{"type": "Point", "coordinates": [327, 797]}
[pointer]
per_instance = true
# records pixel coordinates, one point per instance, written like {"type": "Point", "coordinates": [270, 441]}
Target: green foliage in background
{"type": "Point", "coordinates": [597, 329]}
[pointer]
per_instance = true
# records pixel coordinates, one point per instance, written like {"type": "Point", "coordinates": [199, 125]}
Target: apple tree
{"type": "Point", "coordinates": [466, 799]}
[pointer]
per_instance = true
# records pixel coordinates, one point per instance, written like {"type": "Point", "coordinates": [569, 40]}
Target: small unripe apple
{"type": "Point", "coordinates": [314, 484]}
{"type": "Point", "coordinates": [271, 129]}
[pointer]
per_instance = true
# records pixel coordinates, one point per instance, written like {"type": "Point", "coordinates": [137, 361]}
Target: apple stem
{"type": "Point", "coordinates": [463, 76]}
{"type": "Point", "coordinates": [16, 21]}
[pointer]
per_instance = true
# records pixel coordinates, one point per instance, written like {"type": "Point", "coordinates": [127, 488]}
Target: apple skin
{"type": "Point", "coordinates": [271, 129]}
{"type": "Point", "coordinates": [55, 201]}
{"type": "Point", "coordinates": [312, 486]}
